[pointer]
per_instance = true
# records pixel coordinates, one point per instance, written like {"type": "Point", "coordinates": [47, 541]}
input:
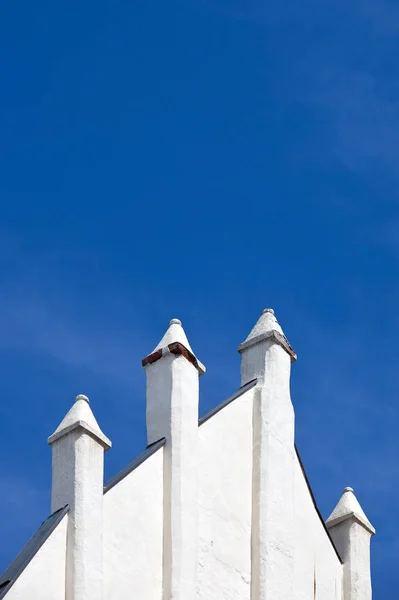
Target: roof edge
{"type": "Point", "coordinates": [237, 394]}
{"type": "Point", "coordinates": [152, 448]}
{"type": "Point", "coordinates": [316, 507]}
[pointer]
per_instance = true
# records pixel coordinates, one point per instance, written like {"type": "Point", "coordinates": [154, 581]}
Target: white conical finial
{"type": "Point", "coordinates": [174, 333]}
{"type": "Point", "coordinates": [264, 327]}
{"type": "Point", "coordinates": [267, 326]}
{"type": "Point", "coordinates": [348, 507]}
{"type": "Point", "coordinates": [174, 322]}
{"type": "Point", "coordinates": [82, 397]}
{"type": "Point", "coordinates": [80, 415]}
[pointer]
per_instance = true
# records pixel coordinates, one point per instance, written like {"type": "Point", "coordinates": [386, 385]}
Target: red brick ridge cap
{"type": "Point", "coordinates": [175, 348]}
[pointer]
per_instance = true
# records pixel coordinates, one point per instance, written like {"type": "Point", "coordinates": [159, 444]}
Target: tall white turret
{"type": "Point", "coordinates": [351, 532]}
{"type": "Point", "coordinates": [172, 372]}
{"type": "Point", "coordinates": [267, 356]}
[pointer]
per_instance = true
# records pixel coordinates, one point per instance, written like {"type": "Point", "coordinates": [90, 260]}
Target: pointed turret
{"type": "Point", "coordinates": [266, 356]}
{"type": "Point", "coordinates": [172, 372]}
{"type": "Point", "coordinates": [351, 532]}
{"type": "Point", "coordinates": [78, 446]}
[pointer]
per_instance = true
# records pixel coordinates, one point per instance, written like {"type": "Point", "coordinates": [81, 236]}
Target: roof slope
{"type": "Point", "coordinates": [315, 505]}
{"type": "Point", "coordinates": [237, 394]}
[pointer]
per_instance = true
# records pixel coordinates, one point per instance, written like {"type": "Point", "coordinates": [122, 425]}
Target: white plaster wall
{"type": "Point", "coordinates": [314, 553]}
{"type": "Point", "coordinates": [133, 514]}
{"type": "Point", "coordinates": [225, 497]}
{"type": "Point", "coordinates": [44, 577]}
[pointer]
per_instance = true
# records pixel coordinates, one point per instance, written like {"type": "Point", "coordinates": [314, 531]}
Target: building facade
{"type": "Point", "coordinates": [214, 509]}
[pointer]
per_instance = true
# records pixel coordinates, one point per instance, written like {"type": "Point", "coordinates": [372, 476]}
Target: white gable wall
{"type": "Point", "coordinates": [133, 527]}
{"type": "Point", "coordinates": [239, 523]}
{"type": "Point", "coordinates": [225, 497]}
{"type": "Point", "coordinates": [133, 530]}
{"type": "Point", "coordinates": [44, 576]}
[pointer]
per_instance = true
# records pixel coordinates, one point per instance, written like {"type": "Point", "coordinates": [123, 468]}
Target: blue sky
{"type": "Point", "coordinates": [201, 159]}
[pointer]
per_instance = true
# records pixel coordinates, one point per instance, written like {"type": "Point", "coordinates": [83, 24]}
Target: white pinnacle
{"type": "Point", "coordinates": [348, 507]}
{"type": "Point", "coordinates": [174, 333]}
{"type": "Point", "coordinates": [80, 415]}
{"type": "Point", "coordinates": [263, 328]}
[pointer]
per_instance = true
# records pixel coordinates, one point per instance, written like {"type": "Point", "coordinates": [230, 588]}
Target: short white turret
{"type": "Point", "coordinates": [78, 446]}
{"type": "Point", "coordinates": [351, 532]}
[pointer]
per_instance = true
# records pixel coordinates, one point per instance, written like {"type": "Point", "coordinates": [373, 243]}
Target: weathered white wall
{"type": "Point", "coordinates": [315, 557]}
{"type": "Point", "coordinates": [225, 496]}
{"type": "Point", "coordinates": [133, 515]}
{"type": "Point", "coordinates": [44, 577]}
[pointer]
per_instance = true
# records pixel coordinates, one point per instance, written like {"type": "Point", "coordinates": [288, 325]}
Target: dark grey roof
{"type": "Point", "coordinates": [21, 561]}
{"type": "Point", "coordinates": [151, 449]}
{"type": "Point", "coordinates": [236, 395]}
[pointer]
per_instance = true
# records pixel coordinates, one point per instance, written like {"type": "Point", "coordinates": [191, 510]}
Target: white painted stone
{"type": "Point", "coordinates": [351, 531]}
{"type": "Point", "coordinates": [77, 479]}
{"type": "Point", "coordinates": [133, 532]}
{"type": "Point", "coordinates": [44, 576]}
{"type": "Point", "coordinates": [172, 413]}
